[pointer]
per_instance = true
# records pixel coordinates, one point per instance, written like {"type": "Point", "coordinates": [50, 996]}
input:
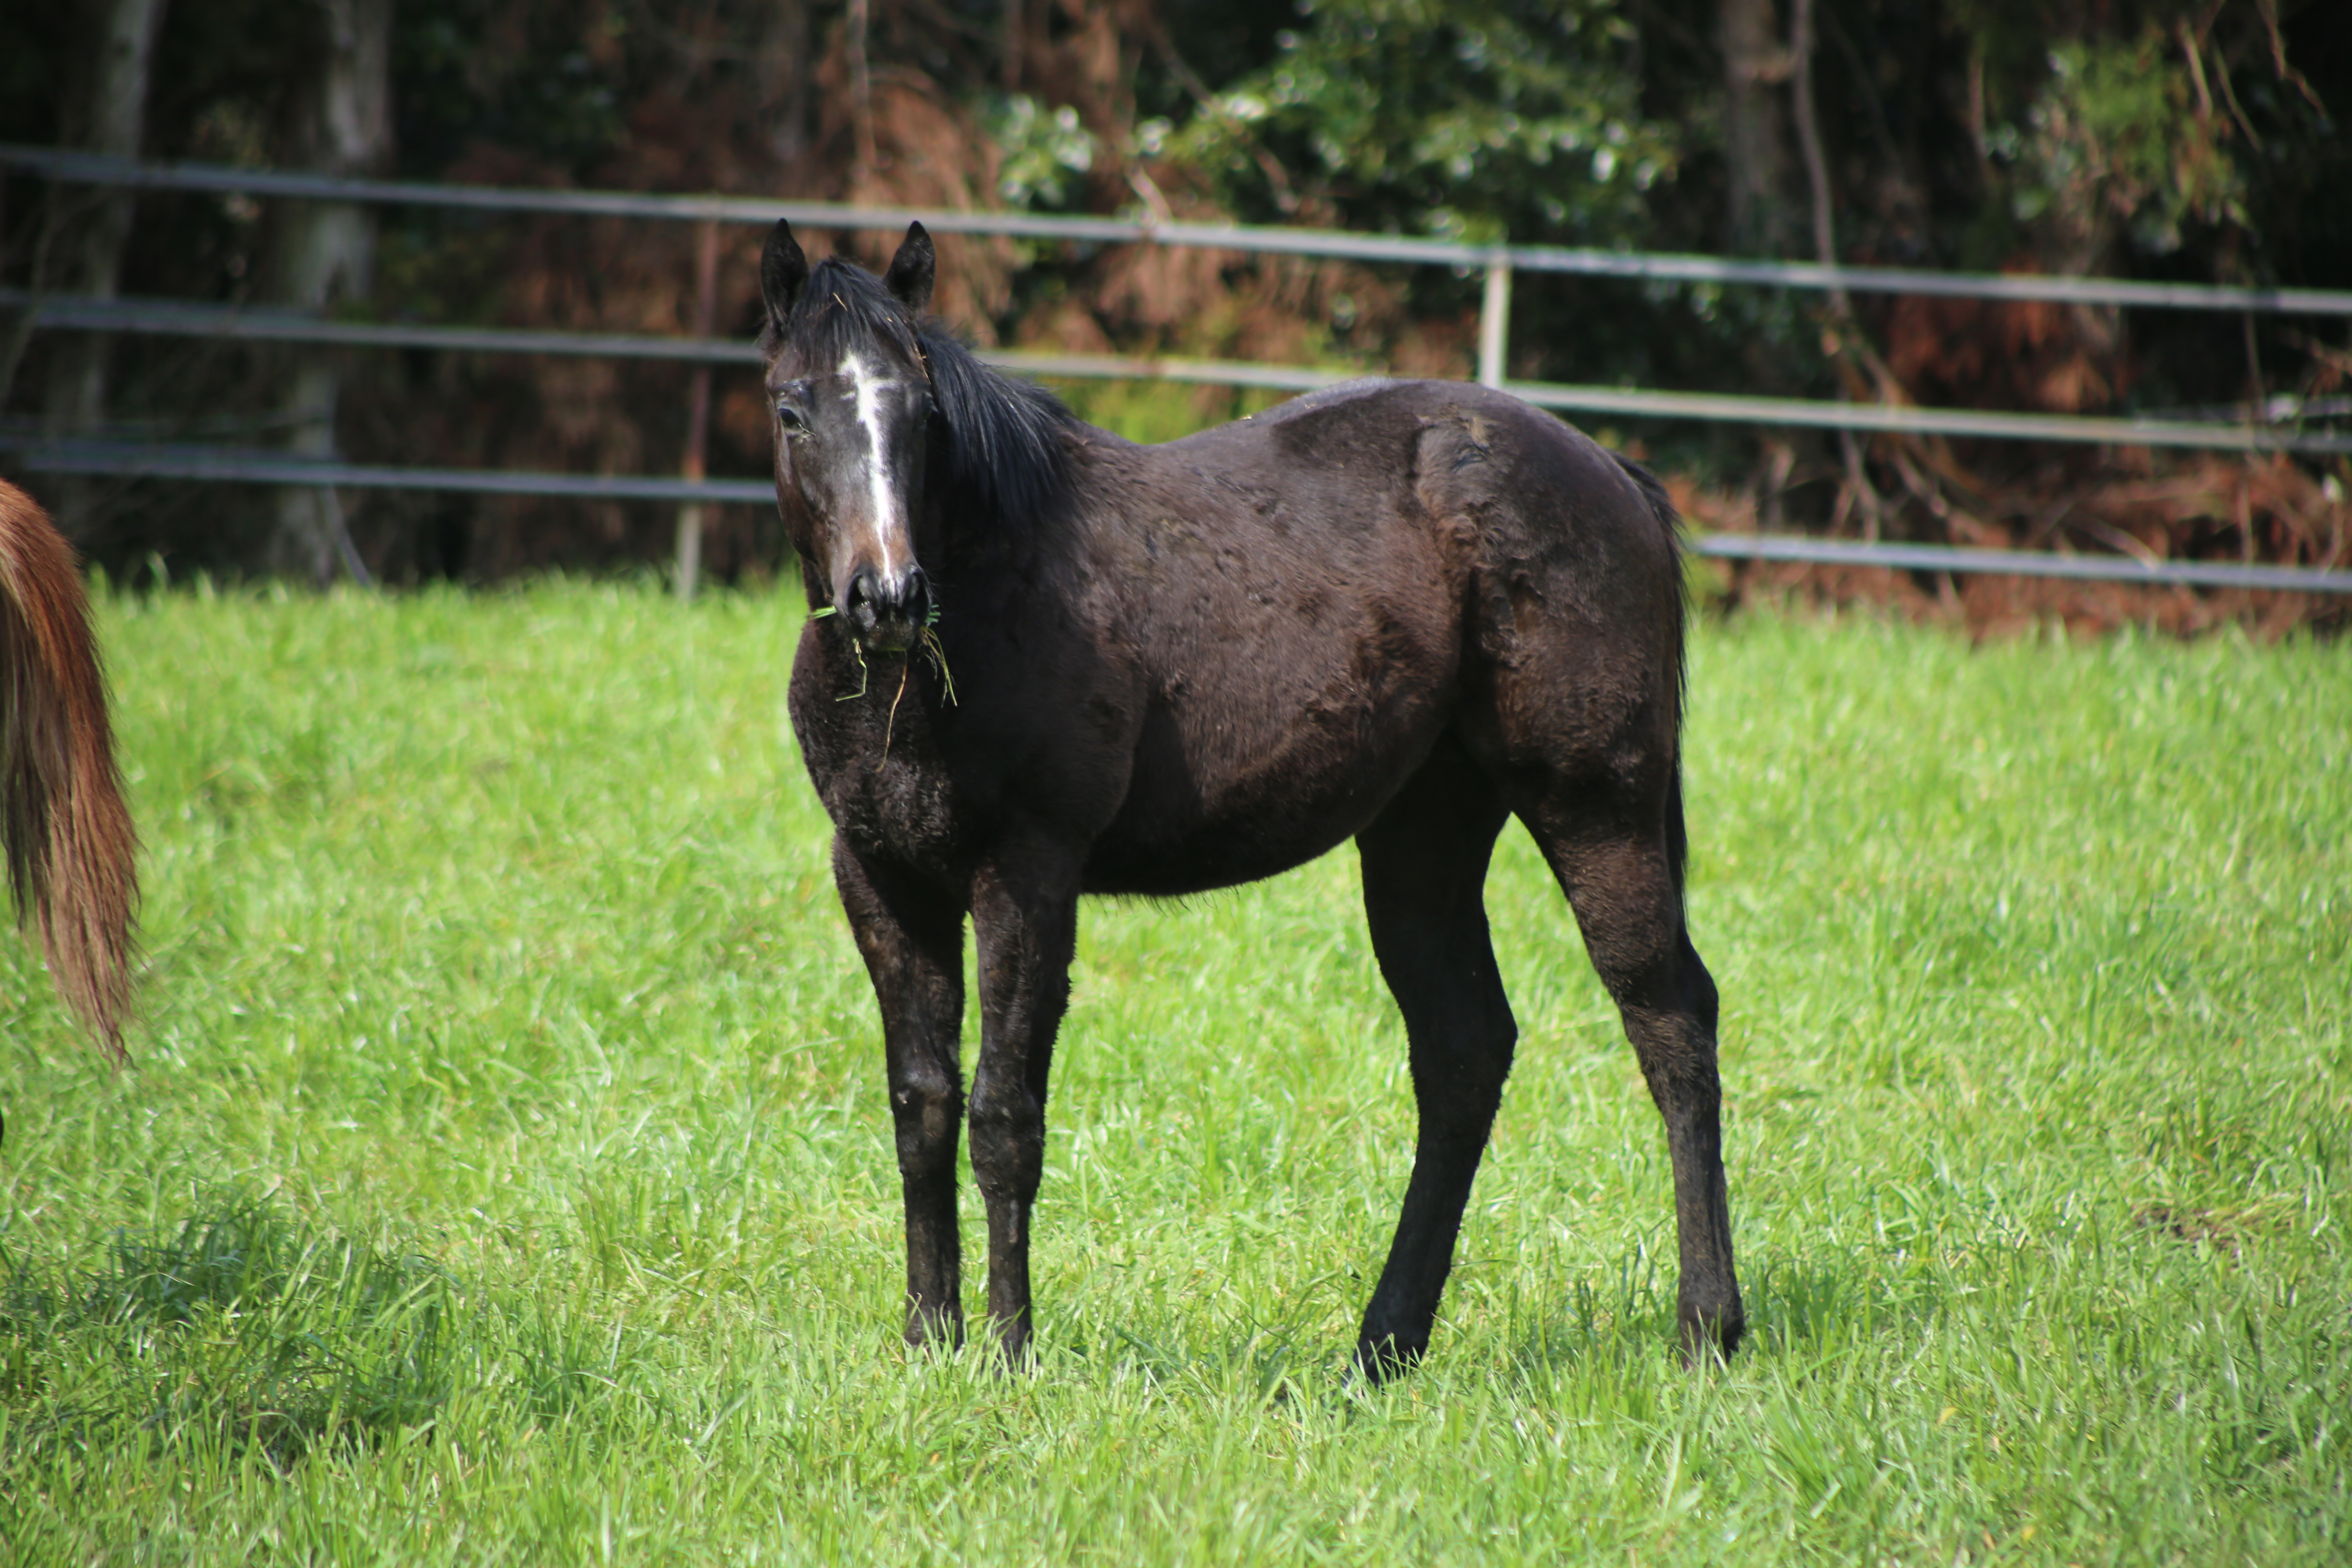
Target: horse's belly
{"type": "Point", "coordinates": [1210, 804]}
{"type": "Point", "coordinates": [1213, 854]}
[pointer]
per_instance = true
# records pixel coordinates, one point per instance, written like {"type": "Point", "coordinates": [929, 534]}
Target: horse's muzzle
{"type": "Point", "coordinates": [887, 617]}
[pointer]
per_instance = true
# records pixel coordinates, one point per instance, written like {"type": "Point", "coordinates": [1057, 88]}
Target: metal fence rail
{"type": "Point", "coordinates": [265, 325]}
{"type": "Point", "coordinates": [2019, 564]}
{"type": "Point", "coordinates": [1496, 261]}
{"type": "Point", "coordinates": [92, 168]}
{"type": "Point", "coordinates": [264, 467]}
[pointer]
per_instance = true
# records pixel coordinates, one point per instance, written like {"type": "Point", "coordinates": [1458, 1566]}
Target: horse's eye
{"type": "Point", "coordinates": [790, 418]}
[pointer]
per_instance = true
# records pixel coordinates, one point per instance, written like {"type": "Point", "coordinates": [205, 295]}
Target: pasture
{"type": "Point", "coordinates": [505, 1175]}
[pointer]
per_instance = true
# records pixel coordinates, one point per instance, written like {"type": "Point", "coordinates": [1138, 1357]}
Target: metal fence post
{"type": "Point", "coordinates": [697, 412]}
{"type": "Point", "coordinates": [1494, 322]}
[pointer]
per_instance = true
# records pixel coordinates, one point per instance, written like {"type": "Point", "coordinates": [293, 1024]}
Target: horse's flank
{"type": "Point", "coordinates": [68, 835]}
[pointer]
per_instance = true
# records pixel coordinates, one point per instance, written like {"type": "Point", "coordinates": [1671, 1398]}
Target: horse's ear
{"type": "Point", "coordinates": [782, 271]}
{"type": "Point", "coordinates": [909, 277]}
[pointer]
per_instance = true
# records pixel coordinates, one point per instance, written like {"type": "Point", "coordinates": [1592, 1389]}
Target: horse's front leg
{"type": "Point", "coordinates": [1025, 917]}
{"type": "Point", "coordinates": [912, 939]}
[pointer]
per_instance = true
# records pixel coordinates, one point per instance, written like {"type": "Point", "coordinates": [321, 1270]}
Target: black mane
{"type": "Point", "coordinates": [1005, 436]}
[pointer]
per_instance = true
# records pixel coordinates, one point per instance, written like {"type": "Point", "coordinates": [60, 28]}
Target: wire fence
{"type": "Point", "coordinates": [2279, 425]}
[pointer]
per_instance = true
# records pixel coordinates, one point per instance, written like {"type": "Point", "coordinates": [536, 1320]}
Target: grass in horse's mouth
{"type": "Point", "coordinates": [863, 678]}
{"type": "Point", "coordinates": [929, 641]}
{"type": "Point", "coordinates": [926, 639]}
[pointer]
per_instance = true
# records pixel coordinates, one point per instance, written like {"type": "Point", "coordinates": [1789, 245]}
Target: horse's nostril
{"type": "Point", "coordinates": [919, 597]}
{"type": "Point", "coordinates": [861, 595]}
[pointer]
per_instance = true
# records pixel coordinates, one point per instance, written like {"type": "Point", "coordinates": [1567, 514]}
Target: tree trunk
{"type": "Point", "coordinates": [112, 119]}
{"type": "Point", "coordinates": [1755, 141]}
{"type": "Point", "coordinates": [324, 252]}
{"type": "Point", "coordinates": [864, 160]}
{"type": "Point", "coordinates": [784, 80]}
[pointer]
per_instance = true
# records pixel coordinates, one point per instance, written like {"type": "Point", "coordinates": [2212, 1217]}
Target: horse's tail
{"type": "Point", "coordinates": [1669, 521]}
{"type": "Point", "coordinates": [68, 835]}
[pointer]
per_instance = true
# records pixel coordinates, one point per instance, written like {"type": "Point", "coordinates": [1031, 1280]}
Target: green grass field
{"type": "Point", "coordinates": [505, 1174]}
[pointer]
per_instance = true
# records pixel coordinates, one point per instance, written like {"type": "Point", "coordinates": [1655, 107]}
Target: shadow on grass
{"type": "Point", "coordinates": [1796, 1309]}
{"type": "Point", "coordinates": [243, 1332]}
{"type": "Point", "coordinates": [1266, 1364]}
{"type": "Point", "coordinates": [239, 1330]}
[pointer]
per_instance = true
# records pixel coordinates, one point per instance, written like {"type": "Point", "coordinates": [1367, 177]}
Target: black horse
{"type": "Point", "coordinates": [1046, 661]}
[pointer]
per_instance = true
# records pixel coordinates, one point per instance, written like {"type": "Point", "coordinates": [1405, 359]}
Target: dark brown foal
{"type": "Point", "coordinates": [1400, 612]}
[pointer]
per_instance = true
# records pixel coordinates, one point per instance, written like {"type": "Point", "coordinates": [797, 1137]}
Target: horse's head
{"type": "Point", "coordinates": [850, 397]}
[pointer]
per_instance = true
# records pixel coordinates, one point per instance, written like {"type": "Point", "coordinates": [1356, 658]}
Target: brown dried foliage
{"type": "Point", "coordinates": [1199, 302]}
{"type": "Point", "coordinates": [585, 415]}
{"type": "Point", "coordinates": [2024, 354]}
{"type": "Point", "coordinates": [2146, 504]}
{"type": "Point", "coordinates": [2138, 503]}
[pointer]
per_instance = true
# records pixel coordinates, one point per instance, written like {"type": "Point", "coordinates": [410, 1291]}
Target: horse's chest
{"type": "Point", "coordinates": [876, 775]}
{"type": "Point", "coordinates": [892, 808]}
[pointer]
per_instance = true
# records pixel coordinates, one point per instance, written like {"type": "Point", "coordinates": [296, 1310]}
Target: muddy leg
{"type": "Point", "coordinates": [1424, 867]}
{"type": "Point", "coordinates": [912, 940]}
{"type": "Point", "coordinates": [1024, 918]}
{"type": "Point", "coordinates": [1627, 893]}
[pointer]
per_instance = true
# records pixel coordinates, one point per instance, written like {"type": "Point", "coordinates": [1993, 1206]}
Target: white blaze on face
{"type": "Point", "coordinates": [888, 519]}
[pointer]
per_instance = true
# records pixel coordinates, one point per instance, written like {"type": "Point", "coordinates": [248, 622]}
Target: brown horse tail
{"type": "Point", "coordinates": [70, 845]}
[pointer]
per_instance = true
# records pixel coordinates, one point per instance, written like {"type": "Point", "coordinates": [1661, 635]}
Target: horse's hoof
{"type": "Point", "coordinates": [1710, 1336]}
{"type": "Point", "coordinates": [1379, 1361]}
{"type": "Point", "coordinates": [934, 1330]}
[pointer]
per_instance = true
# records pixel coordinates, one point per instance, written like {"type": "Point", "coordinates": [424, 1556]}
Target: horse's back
{"type": "Point", "coordinates": [1533, 535]}
{"type": "Point", "coordinates": [1453, 456]}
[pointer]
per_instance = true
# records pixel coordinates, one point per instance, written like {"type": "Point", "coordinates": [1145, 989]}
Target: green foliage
{"type": "Point", "coordinates": [1474, 121]}
{"type": "Point", "coordinates": [1145, 411]}
{"type": "Point", "coordinates": [493, 940]}
{"type": "Point", "coordinates": [543, 79]}
{"type": "Point", "coordinates": [1044, 151]}
{"type": "Point", "coordinates": [2120, 132]}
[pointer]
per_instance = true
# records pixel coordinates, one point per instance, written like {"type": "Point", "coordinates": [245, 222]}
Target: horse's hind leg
{"type": "Point", "coordinates": [912, 940]}
{"type": "Point", "coordinates": [1620, 864]}
{"type": "Point", "coordinates": [1425, 868]}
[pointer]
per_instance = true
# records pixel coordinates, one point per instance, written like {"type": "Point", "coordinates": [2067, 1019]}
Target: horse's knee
{"type": "Point", "coordinates": [926, 1105]}
{"type": "Point", "coordinates": [1008, 1140]}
